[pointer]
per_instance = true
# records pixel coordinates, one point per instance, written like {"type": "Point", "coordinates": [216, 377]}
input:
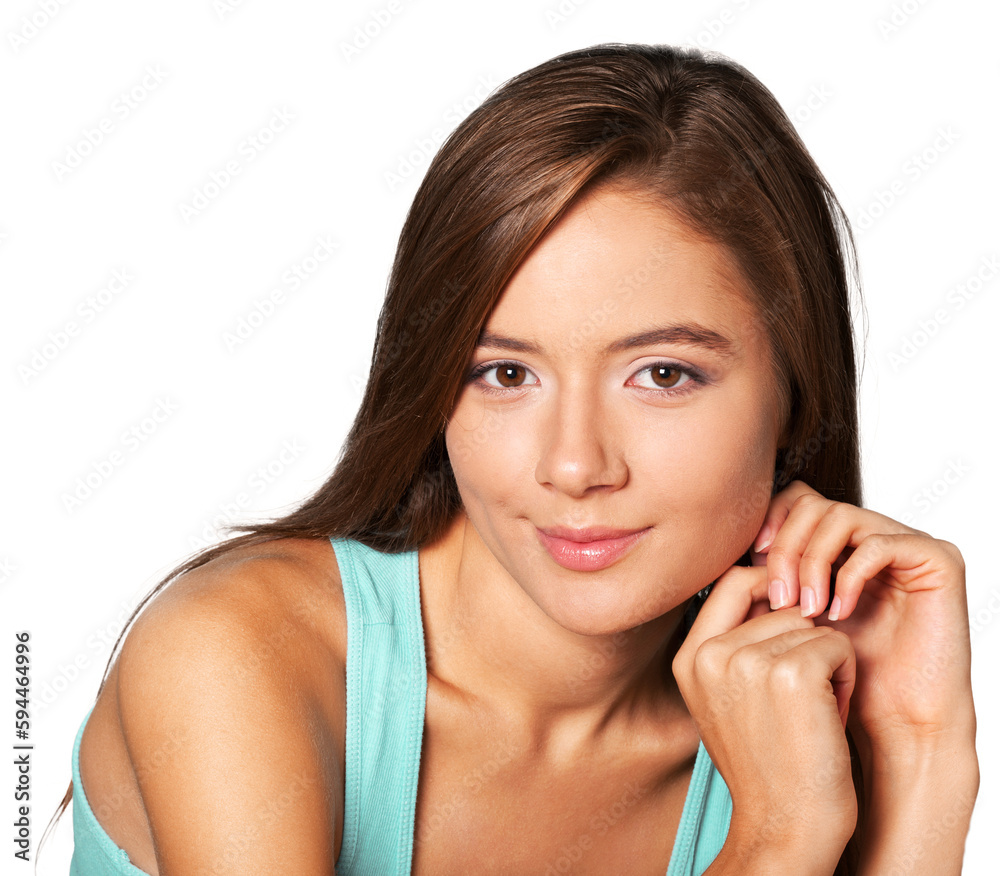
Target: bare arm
{"type": "Point", "coordinates": [920, 804]}
{"type": "Point", "coordinates": [220, 733]}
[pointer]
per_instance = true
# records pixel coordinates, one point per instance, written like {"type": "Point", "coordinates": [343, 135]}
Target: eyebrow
{"type": "Point", "coordinates": [692, 335]}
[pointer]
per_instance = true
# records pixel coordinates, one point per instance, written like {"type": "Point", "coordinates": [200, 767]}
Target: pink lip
{"type": "Point", "coordinates": [587, 550]}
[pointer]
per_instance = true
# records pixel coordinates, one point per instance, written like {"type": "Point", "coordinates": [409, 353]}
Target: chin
{"type": "Point", "coordinates": [607, 610]}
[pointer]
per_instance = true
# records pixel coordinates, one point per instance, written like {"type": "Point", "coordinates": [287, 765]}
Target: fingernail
{"type": "Point", "coordinates": [764, 539]}
{"type": "Point", "coordinates": [778, 593]}
{"type": "Point", "coordinates": [834, 612]}
{"type": "Point", "coordinates": [808, 600]}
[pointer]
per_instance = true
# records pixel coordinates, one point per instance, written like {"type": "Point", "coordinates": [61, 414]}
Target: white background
{"type": "Point", "coordinates": [870, 85]}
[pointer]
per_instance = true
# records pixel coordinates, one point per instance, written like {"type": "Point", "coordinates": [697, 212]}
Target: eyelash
{"type": "Point", "coordinates": [696, 378]}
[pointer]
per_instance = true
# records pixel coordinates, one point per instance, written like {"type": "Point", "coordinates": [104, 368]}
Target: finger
{"type": "Point", "coordinates": [810, 650]}
{"type": "Point", "coordinates": [777, 512]}
{"type": "Point", "coordinates": [726, 607]}
{"type": "Point", "coordinates": [835, 536]}
{"type": "Point", "coordinates": [843, 527]}
{"type": "Point", "coordinates": [714, 652]}
{"type": "Point", "coordinates": [785, 629]}
{"type": "Point", "coordinates": [815, 533]}
{"type": "Point", "coordinates": [785, 553]}
{"type": "Point", "coordinates": [916, 562]}
{"type": "Point", "coordinates": [831, 657]}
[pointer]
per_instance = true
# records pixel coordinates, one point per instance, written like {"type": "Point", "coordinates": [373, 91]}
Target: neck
{"type": "Point", "coordinates": [492, 644]}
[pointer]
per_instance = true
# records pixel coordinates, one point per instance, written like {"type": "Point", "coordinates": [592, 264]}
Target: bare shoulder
{"type": "Point", "coordinates": [224, 713]}
{"type": "Point", "coordinates": [267, 613]}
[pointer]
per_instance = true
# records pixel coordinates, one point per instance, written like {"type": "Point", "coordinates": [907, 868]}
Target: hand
{"type": "Point", "coordinates": [899, 596]}
{"type": "Point", "coordinates": [769, 696]}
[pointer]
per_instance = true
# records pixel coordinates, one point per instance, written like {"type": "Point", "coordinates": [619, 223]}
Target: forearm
{"type": "Point", "coordinates": [919, 807]}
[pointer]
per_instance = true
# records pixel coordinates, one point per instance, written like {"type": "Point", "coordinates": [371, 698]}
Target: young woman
{"type": "Point", "coordinates": [614, 366]}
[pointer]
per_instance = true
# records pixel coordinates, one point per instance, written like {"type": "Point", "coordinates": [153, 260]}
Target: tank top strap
{"type": "Point", "coordinates": [386, 699]}
{"type": "Point", "coordinates": [704, 823]}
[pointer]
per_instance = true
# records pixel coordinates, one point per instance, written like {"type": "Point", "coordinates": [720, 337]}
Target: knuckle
{"type": "Point", "coordinates": [748, 664]}
{"type": "Point", "coordinates": [841, 512]}
{"type": "Point", "coordinates": [808, 500]}
{"type": "Point", "coordinates": [710, 660]}
{"type": "Point", "coordinates": [838, 635]}
{"type": "Point", "coordinates": [778, 554]}
{"type": "Point", "coordinates": [953, 552]}
{"type": "Point", "coordinates": [814, 560]}
{"type": "Point", "coordinates": [879, 542]}
{"type": "Point", "coordinates": [787, 675]}
{"type": "Point", "coordinates": [680, 667]}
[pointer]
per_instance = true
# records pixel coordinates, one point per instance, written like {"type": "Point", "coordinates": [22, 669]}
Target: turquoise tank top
{"type": "Point", "coordinates": [386, 696]}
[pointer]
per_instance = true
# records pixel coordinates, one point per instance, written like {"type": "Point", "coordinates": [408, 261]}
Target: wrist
{"type": "Point", "coordinates": [946, 763]}
{"type": "Point", "coordinates": [771, 849]}
{"type": "Point", "coordinates": [905, 744]}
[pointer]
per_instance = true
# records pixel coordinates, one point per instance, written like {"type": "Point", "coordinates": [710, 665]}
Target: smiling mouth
{"type": "Point", "coordinates": [583, 552]}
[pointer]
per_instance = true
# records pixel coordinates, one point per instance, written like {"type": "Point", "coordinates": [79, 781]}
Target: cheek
{"type": "Point", "coordinates": [483, 450]}
{"type": "Point", "coordinates": [472, 432]}
{"type": "Point", "coordinates": [748, 450]}
{"type": "Point", "coordinates": [712, 479]}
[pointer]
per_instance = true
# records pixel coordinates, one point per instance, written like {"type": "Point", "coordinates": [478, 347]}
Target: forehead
{"type": "Point", "coordinates": [616, 262]}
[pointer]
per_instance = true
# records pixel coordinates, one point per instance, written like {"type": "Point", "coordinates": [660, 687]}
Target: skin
{"type": "Point", "coordinates": [543, 680]}
{"type": "Point", "coordinates": [586, 438]}
{"type": "Point", "coordinates": [573, 440]}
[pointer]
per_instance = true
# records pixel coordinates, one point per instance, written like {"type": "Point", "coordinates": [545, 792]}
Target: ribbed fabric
{"type": "Point", "coordinates": [704, 823]}
{"type": "Point", "coordinates": [386, 698]}
{"type": "Point", "coordinates": [386, 695]}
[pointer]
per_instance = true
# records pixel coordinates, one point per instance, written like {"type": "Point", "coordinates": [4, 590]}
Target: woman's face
{"type": "Point", "coordinates": [624, 383]}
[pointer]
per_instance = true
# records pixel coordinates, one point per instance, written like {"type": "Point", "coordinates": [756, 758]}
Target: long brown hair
{"type": "Point", "coordinates": [694, 130]}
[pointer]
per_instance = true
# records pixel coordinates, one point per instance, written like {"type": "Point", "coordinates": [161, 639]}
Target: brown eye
{"type": "Point", "coordinates": [665, 376]}
{"type": "Point", "coordinates": [509, 373]}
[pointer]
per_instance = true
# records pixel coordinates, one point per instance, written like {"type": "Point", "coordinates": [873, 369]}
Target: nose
{"type": "Point", "coordinates": [580, 449]}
